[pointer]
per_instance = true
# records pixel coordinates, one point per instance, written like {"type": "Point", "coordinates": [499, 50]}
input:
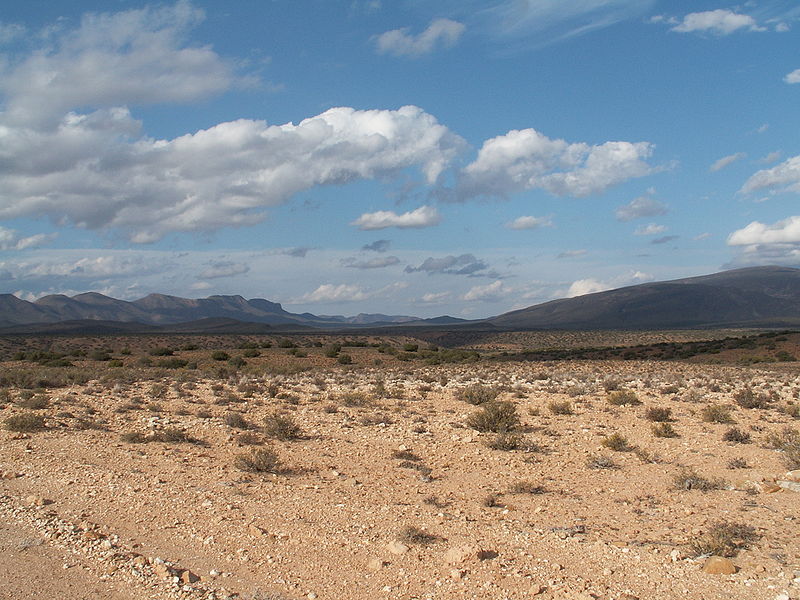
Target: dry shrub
{"type": "Point", "coordinates": [716, 413]}
{"type": "Point", "coordinates": [659, 414]}
{"type": "Point", "coordinates": [736, 435]}
{"type": "Point", "coordinates": [526, 487]}
{"type": "Point", "coordinates": [724, 539]}
{"type": "Point", "coordinates": [747, 398]}
{"type": "Point", "coordinates": [261, 460]}
{"type": "Point", "coordinates": [495, 417]}
{"type": "Point", "coordinates": [281, 427]}
{"type": "Point", "coordinates": [623, 397]}
{"type": "Point", "coordinates": [505, 441]}
{"type": "Point", "coordinates": [689, 479]}
{"type": "Point", "coordinates": [414, 535]}
{"type": "Point", "coordinates": [560, 408]}
{"type": "Point", "coordinates": [787, 441]}
{"type": "Point", "coordinates": [601, 462]}
{"type": "Point", "coordinates": [617, 442]}
{"type": "Point", "coordinates": [664, 430]}
{"type": "Point", "coordinates": [477, 394]}
{"type": "Point", "coordinates": [24, 423]}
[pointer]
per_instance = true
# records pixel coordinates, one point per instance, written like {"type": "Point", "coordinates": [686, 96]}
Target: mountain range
{"type": "Point", "coordinates": [751, 297]}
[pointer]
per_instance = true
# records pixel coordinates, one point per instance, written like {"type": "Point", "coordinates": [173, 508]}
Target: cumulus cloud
{"type": "Point", "coordinates": [374, 263]}
{"type": "Point", "coordinates": [465, 264]}
{"type": "Point", "coordinates": [650, 229]}
{"type": "Point", "coordinates": [493, 292]}
{"type": "Point", "coordinates": [793, 77]}
{"type": "Point", "coordinates": [726, 160]}
{"type": "Point", "coordinates": [133, 57]}
{"type": "Point", "coordinates": [377, 246]}
{"type": "Point", "coordinates": [329, 293]}
{"type": "Point", "coordinates": [435, 297]}
{"type": "Point", "coordinates": [638, 208]}
{"type": "Point", "coordinates": [529, 222]}
{"type": "Point", "coordinates": [786, 231]}
{"type": "Point", "coordinates": [784, 177]}
{"type": "Point", "coordinates": [441, 33]}
{"type": "Point", "coordinates": [526, 159]}
{"type": "Point", "coordinates": [424, 216]}
{"type": "Point", "coordinates": [718, 22]}
{"type": "Point", "coordinates": [223, 268]}
{"type": "Point", "coordinates": [11, 240]}
{"type": "Point", "coordinates": [591, 285]}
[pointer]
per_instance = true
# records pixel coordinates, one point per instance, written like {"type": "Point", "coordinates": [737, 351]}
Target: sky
{"type": "Point", "coordinates": [407, 157]}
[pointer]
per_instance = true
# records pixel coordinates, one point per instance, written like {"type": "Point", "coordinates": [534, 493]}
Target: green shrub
{"type": "Point", "coordinates": [345, 359]}
{"type": "Point", "coordinates": [220, 355]}
{"type": "Point", "coordinates": [495, 417]}
{"type": "Point", "coordinates": [161, 351]}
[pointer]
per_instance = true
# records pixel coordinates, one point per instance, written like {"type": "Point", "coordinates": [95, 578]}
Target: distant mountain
{"type": "Point", "coordinates": [214, 312]}
{"type": "Point", "coordinates": [751, 297]}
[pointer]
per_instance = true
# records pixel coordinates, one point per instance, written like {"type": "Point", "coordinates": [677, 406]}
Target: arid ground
{"type": "Point", "coordinates": [361, 467]}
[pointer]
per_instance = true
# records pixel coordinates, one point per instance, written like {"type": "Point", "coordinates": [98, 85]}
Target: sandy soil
{"type": "Point", "coordinates": [86, 514]}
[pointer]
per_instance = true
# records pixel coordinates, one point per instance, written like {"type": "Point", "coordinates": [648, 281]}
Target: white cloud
{"type": "Point", "coordinates": [786, 231]}
{"type": "Point", "coordinates": [329, 293]}
{"type": "Point", "coordinates": [200, 285]}
{"type": "Point", "coordinates": [784, 177]}
{"type": "Point", "coordinates": [132, 57]}
{"type": "Point", "coordinates": [373, 263]}
{"type": "Point", "coordinates": [793, 77]}
{"type": "Point", "coordinates": [526, 159]}
{"type": "Point", "coordinates": [650, 229]}
{"type": "Point", "coordinates": [10, 32]}
{"type": "Point", "coordinates": [529, 222]}
{"type": "Point", "coordinates": [643, 206]}
{"type": "Point", "coordinates": [113, 266]}
{"type": "Point", "coordinates": [465, 264]}
{"type": "Point", "coordinates": [581, 287]}
{"type": "Point", "coordinates": [435, 297]}
{"type": "Point", "coordinates": [726, 160]}
{"type": "Point", "coordinates": [719, 22]}
{"type": "Point", "coordinates": [10, 239]}
{"type": "Point", "coordinates": [424, 216]}
{"type": "Point", "coordinates": [591, 285]}
{"type": "Point", "coordinates": [770, 158]}
{"type": "Point", "coordinates": [702, 236]}
{"type": "Point", "coordinates": [224, 268]}
{"type": "Point", "coordinates": [493, 292]}
{"type": "Point", "coordinates": [442, 33]}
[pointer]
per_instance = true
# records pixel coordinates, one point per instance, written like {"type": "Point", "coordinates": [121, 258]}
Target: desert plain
{"type": "Point", "coordinates": [400, 467]}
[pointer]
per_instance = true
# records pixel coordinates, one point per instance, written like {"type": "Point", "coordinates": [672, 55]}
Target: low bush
{"type": "Point", "coordinates": [24, 423]}
{"type": "Point", "coordinates": [617, 442]}
{"type": "Point", "coordinates": [495, 417]}
{"type": "Point", "coordinates": [623, 398]}
{"type": "Point", "coordinates": [658, 414]}
{"type": "Point", "coordinates": [560, 408]}
{"type": "Point", "coordinates": [736, 435]}
{"type": "Point", "coordinates": [716, 413]}
{"type": "Point", "coordinates": [689, 479]}
{"type": "Point", "coordinates": [281, 427]}
{"type": "Point", "coordinates": [477, 394]}
{"type": "Point", "coordinates": [260, 460]}
{"type": "Point", "coordinates": [724, 539]}
{"type": "Point", "coordinates": [414, 535]}
{"type": "Point", "coordinates": [747, 398]}
{"type": "Point", "coordinates": [664, 430]}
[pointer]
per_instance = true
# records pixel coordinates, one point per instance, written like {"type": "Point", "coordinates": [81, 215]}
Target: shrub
{"type": "Point", "coordinates": [345, 359]}
{"type": "Point", "coordinates": [161, 352]}
{"type": "Point", "coordinates": [658, 414]}
{"type": "Point", "coordinates": [526, 487]}
{"type": "Point", "coordinates": [601, 462]}
{"type": "Point", "coordinates": [505, 441]}
{"type": "Point", "coordinates": [24, 423]}
{"type": "Point", "coordinates": [617, 442]}
{"type": "Point", "coordinates": [688, 479]}
{"type": "Point", "coordinates": [414, 535]}
{"type": "Point", "coordinates": [281, 427]}
{"type": "Point", "coordinates": [410, 347]}
{"type": "Point", "coordinates": [477, 394]}
{"type": "Point", "coordinates": [664, 430]}
{"type": "Point", "coordinates": [736, 435]}
{"type": "Point", "coordinates": [359, 399]}
{"type": "Point", "coordinates": [37, 402]}
{"type": "Point", "coordinates": [260, 460]}
{"type": "Point", "coordinates": [172, 363]}
{"type": "Point", "coordinates": [788, 441]}
{"type": "Point", "coordinates": [716, 413]}
{"type": "Point", "coordinates": [251, 353]}
{"type": "Point", "coordinates": [171, 435]}
{"type": "Point", "coordinates": [133, 437]}
{"type": "Point", "coordinates": [560, 408]}
{"type": "Point", "coordinates": [405, 455]}
{"type": "Point", "coordinates": [724, 539]}
{"type": "Point", "coordinates": [623, 397]}
{"type": "Point", "coordinates": [220, 355]}
{"type": "Point", "coordinates": [747, 398]}
{"type": "Point", "coordinates": [237, 362]}
{"type": "Point", "coordinates": [738, 463]}
{"type": "Point", "coordinates": [496, 417]}
{"type": "Point", "coordinates": [236, 420]}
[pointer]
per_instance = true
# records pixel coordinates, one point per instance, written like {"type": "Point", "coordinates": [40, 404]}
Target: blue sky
{"type": "Point", "coordinates": [406, 157]}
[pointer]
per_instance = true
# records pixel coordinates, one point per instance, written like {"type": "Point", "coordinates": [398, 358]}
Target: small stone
{"type": "Point", "coordinates": [139, 560]}
{"type": "Point", "coordinates": [468, 553]}
{"type": "Point", "coordinates": [256, 530]}
{"type": "Point", "coordinates": [537, 589]}
{"type": "Point", "coordinates": [161, 570]}
{"type": "Point", "coordinates": [793, 476]}
{"type": "Point", "coordinates": [769, 487]}
{"type": "Point", "coordinates": [457, 574]}
{"type": "Point", "coordinates": [783, 596]}
{"type": "Point", "coordinates": [628, 597]}
{"type": "Point", "coordinates": [38, 501]}
{"type": "Point", "coordinates": [376, 564]}
{"type": "Point", "coordinates": [718, 565]}
{"type": "Point", "coordinates": [92, 535]}
{"type": "Point", "coordinates": [760, 569]}
{"type": "Point", "coordinates": [792, 486]}
{"type": "Point", "coordinates": [397, 547]}
{"type": "Point", "coordinates": [311, 596]}
{"type": "Point", "coordinates": [188, 577]}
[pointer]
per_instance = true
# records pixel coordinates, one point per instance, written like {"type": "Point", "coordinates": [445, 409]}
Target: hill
{"type": "Point", "coordinates": [750, 297]}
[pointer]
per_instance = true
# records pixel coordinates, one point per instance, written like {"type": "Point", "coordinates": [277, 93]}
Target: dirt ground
{"type": "Point", "coordinates": [387, 491]}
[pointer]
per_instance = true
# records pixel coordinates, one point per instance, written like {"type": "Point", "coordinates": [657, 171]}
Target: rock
{"type": "Point", "coordinates": [162, 570]}
{"type": "Point", "coordinates": [770, 487]}
{"type": "Point", "coordinates": [37, 501]}
{"type": "Point", "coordinates": [468, 553]}
{"type": "Point", "coordinates": [92, 535]}
{"type": "Point", "coordinates": [188, 577]}
{"type": "Point", "coordinates": [397, 547]}
{"type": "Point", "coordinates": [256, 530]}
{"type": "Point", "coordinates": [793, 476]}
{"type": "Point", "coordinates": [457, 574]}
{"type": "Point", "coordinates": [139, 560]}
{"type": "Point", "coordinates": [718, 565]}
{"type": "Point", "coordinates": [792, 486]}
{"type": "Point", "coordinates": [376, 564]}
{"type": "Point", "coordinates": [537, 589]}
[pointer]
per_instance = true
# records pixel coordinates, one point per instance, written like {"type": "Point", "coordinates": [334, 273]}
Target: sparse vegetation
{"type": "Point", "coordinates": [623, 398]}
{"type": "Point", "coordinates": [716, 413]}
{"type": "Point", "coordinates": [664, 430]}
{"type": "Point", "coordinates": [560, 408]}
{"type": "Point", "coordinates": [24, 423]}
{"type": "Point", "coordinates": [495, 417]}
{"type": "Point", "coordinates": [281, 427]}
{"type": "Point", "coordinates": [689, 479]}
{"type": "Point", "coordinates": [260, 460]}
{"type": "Point", "coordinates": [658, 414]}
{"type": "Point", "coordinates": [617, 442]}
{"type": "Point", "coordinates": [736, 436]}
{"type": "Point", "coordinates": [416, 536]}
{"type": "Point", "coordinates": [478, 394]}
{"type": "Point", "coordinates": [723, 538]}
